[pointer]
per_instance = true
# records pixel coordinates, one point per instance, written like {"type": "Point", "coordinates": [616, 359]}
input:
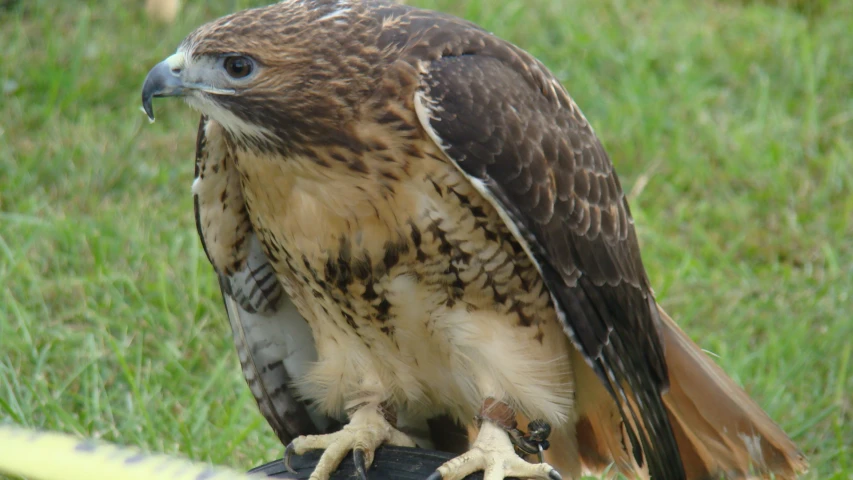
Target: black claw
{"type": "Point", "coordinates": [554, 475]}
{"type": "Point", "coordinates": [436, 475]}
{"type": "Point", "coordinates": [360, 464]}
{"type": "Point", "coordinates": [288, 454]}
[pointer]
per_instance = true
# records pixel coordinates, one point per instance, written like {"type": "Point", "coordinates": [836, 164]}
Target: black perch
{"type": "Point", "coordinates": [391, 463]}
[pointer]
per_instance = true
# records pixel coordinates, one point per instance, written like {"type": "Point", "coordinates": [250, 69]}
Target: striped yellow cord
{"type": "Point", "coordinates": [54, 456]}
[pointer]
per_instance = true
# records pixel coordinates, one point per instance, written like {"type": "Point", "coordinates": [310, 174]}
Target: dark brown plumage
{"type": "Point", "coordinates": [413, 182]}
{"type": "Point", "coordinates": [547, 170]}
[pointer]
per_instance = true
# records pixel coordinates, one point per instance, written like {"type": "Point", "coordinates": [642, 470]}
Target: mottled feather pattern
{"type": "Point", "coordinates": [273, 342]}
{"type": "Point", "coordinates": [273, 348]}
{"type": "Point", "coordinates": [358, 258]}
{"type": "Point", "coordinates": [539, 159]}
{"type": "Point", "coordinates": [221, 217]}
{"type": "Point", "coordinates": [255, 287]}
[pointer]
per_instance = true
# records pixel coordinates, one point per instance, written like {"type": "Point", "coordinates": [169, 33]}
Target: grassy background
{"type": "Point", "coordinates": [731, 123]}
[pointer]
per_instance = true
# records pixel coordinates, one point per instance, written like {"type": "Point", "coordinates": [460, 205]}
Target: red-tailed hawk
{"type": "Point", "coordinates": [454, 236]}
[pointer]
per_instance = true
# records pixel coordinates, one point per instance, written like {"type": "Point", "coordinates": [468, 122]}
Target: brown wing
{"type": "Point", "coordinates": [274, 343]}
{"type": "Point", "coordinates": [507, 123]}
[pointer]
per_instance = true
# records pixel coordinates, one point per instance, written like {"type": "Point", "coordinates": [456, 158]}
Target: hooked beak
{"type": "Point", "coordinates": [164, 80]}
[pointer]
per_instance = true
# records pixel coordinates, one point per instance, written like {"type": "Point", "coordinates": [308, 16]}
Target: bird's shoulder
{"type": "Point", "coordinates": [221, 217]}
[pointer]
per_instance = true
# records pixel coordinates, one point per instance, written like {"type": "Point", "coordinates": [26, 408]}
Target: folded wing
{"type": "Point", "coordinates": [274, 342]}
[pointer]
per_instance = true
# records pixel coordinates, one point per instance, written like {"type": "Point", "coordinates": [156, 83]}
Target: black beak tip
{"type": "Point", "coordinates": [148, 108]}
{"type": "Point", "coordinates": [149, 89]}
{"type": "Point", "coordinates": [160, 82]}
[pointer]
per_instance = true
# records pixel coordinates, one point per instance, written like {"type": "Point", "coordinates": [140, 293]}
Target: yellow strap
{"type": "Point", "coordinates": [54, 456]}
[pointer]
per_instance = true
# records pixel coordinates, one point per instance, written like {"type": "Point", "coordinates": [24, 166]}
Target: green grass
{"type": "Point", "coordinates": [730, 122]}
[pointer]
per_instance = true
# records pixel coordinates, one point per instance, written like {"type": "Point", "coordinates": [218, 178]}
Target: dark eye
{"type": "Point", "coordinates": [238, 67]}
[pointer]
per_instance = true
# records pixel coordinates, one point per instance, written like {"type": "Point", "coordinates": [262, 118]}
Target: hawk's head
{"type": "Point", "coordinates": [271, 75]}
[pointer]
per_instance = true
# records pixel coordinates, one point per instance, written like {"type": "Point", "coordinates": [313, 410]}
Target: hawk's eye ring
{"type": "Point", "coordinates": [238, 66]}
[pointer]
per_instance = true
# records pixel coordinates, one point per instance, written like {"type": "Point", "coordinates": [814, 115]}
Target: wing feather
{"type": "Point", "coordinates": [274, 342]}
{"type": "Point", "coordinates": [509, 126]}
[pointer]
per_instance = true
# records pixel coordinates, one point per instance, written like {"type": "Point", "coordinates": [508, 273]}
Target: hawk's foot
{"type": "Point", "coordinates": [366, 431]}
{"type": "Point", "coordinates": [493, 453]}
{"type": "Point", "coordinates": [494, 450]}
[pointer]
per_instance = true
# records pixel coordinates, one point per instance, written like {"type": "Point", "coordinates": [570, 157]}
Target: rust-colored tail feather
{"type": "Point", "coordinates": [721, 432]}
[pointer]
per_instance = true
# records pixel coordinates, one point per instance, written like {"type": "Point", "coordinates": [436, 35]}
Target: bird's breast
{"type": "Point", "coordinates": [381, 264]}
